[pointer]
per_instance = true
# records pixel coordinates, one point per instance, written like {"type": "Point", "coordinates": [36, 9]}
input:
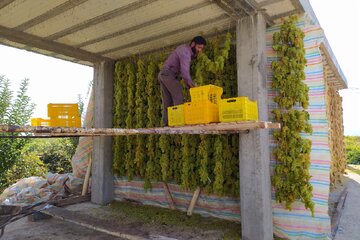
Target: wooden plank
{"type": "Point", "coordinates": [193, 201]}
{"type": "Point", "coordinates": [72, 200]}
{"type": "Point", "coordinates": [213, 128]}
{"type": "Point", "coordinates": [169, 198]}
{"type": "Point", "coordinates": [87, 176]}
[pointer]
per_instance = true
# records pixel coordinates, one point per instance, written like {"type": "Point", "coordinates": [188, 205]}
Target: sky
{"type": "Point", "coordinates": [51, 80]}
{"type": "Point", "coordinates": [58, 81]}
{"type": "Point", "coordinates": [340, 21]}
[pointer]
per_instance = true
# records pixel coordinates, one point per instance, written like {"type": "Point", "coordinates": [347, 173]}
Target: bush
{"type": "Point", "coordinates": [55, 153]}
{"type": "Point", "coordinates": [352, 149]}
{"type": "Point", "coordinates": [26, 166]}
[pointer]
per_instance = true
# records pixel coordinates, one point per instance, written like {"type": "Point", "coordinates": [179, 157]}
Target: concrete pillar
{"type": "Point", "coordinates": [102, 185]}
{"type": "Point", "coordinates": [255, 185]}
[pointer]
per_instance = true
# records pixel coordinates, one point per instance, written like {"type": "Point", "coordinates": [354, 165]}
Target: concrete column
{"type": "Point", "coordinates": [255, 185]}
{"type": "Point", "coordinates": [102, 185]}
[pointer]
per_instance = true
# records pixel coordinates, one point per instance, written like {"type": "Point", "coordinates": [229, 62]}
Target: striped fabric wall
{"type": "Point", "coordinates": [207, 205]}
{"type": "Point", "coordinates": [80, 160]}
{"type": "Point", "coordinates": [298, 223]}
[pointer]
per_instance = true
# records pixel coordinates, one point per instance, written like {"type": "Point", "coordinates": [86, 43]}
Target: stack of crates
{"type": "Point", "coordinates": [64, 114]}
{"type": "Point", "coordinates": [202, 109]}
{"type": "Point", "coordinates": [61, 115]}
{"type": "Point", "coordinates": [40, 122]}
{"type": "Point", "coordinates": [238, 109]}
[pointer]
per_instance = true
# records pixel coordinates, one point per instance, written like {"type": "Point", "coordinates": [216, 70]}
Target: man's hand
{"type": "Point", "coordinates": [190, 85]}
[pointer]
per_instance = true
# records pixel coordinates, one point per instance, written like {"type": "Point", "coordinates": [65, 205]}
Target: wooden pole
{"type": "Point", "coordinates": [87, 176]}
{"type": "Point", "coordinates": [193, 201]}
{"type": "Point", "coordinates": [169, 198]}
{"type": "Point", "coordinates": [213, 128]}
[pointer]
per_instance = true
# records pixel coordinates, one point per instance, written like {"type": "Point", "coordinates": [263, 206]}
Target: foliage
{"type": "Point", "coordinates": [352, 144]}
{"type": "Point", "coordinates": [29, 164]}
{"type": "Point", "coordinates": [127, 212]}
{"type": "Point", "coordinates": [13, 111]}
{"type": "Point", "coordinates": [55, 153]}
{"type": "Point", "coordinates": [291, 176]}
{"type": "Point", "coordinates": [189, 161]}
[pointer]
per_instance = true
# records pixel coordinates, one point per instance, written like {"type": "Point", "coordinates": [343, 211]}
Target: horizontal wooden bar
{"type": "Point", "coordinates": [213, 128]}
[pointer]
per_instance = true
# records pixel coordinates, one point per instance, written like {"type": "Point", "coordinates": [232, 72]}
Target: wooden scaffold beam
{"type": "Point", "coordinates": [213, 128]}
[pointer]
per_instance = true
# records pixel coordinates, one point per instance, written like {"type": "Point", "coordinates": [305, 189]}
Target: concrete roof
{"type": "Point", "coordinates": [88, 31]}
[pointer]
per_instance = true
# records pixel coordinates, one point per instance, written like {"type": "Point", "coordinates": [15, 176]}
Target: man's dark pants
{"type": "Point", "coordinates": [171, 92]}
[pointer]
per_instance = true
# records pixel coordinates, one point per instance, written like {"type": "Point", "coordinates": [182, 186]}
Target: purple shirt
{"type": "Point", "coordinates": [179, 62]}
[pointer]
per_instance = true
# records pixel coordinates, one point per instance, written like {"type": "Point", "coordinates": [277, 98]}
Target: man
{"type": "Point", "coordinates": [178, 64]}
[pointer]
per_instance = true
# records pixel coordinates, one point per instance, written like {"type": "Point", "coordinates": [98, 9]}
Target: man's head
{"type": "Point", "coordinates": [197, 44]}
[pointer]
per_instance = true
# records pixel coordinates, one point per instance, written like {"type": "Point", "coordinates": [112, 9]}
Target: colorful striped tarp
{"type": "Point", "coordinates": [80, 160]}
{"type": "Point", "coordinates": [298, 223]}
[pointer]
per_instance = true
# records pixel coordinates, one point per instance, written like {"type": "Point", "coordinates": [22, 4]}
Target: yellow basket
{"type": "Point", "coordinates": [63, 110]}
{"type": "Point", "coordinates": [62, 122]}
{"type": "Point", "coordinates": [237, 109]}
{"type": "Point", "coordinates": [39, 122]}
{"type": "Point", "coordinates": [208, 92]}
{"type": "Point", "coordinates": [176, 115]}
{"type": "Point", "coordinates": [201, 112]}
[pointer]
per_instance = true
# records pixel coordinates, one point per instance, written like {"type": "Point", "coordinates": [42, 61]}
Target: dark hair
{"type": "Point", "coordinates": [199, 40]}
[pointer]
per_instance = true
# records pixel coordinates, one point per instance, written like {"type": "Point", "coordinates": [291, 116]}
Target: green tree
{"type": "Point", "coordinates": [56, 153]}
{"type": "Point", "coordinates": [352, 145]}
{"type": "Point", "coordinates": [12, 112]}
{"type": "Point", "coordinates": [29, 164]}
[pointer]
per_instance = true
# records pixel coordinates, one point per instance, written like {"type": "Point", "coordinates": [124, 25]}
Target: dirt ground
{"type": "Point", "coordinates": [133, 220]}
{"type": "Point", "coordinates": [350, 218]}
{"type": "Point", "coordinates": [145, 222]}
{"type": "Point", "coordinates": [51, 229]}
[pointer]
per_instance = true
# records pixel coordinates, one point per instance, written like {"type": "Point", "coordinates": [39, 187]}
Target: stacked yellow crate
{"type": "Point", "coordinates": [64, 114]}
{"type": "Point", "coordinates": [61, 115]}
{"type": "Point", "coordinates": [206, 106]}
{"type": "Point", "coordinates": [238, 109]}
{"type": "Point", "coordinates": [202, 109]}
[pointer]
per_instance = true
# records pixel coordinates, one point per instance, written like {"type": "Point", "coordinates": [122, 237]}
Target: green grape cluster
{"type": "Point", "coordinates": [211, 162]}
{"type": "Point", "coordinates": [291, 178]}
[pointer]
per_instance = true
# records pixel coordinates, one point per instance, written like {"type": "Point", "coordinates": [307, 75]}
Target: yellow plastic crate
{"type": "Point", "coordinates": [63, 110]}
{"type": "Point", "coordinates": [61, 122]}
{"type": "Point", "coordinates": [201, 112]}
{"type": "Point", "coordinates": [176, 115]}
{"type": "Point", "coordinates": [237, 109]}
{"type": "Point", "coordinates": [208, 92]}
{"type": "Point", "coordinates": [39, 122]}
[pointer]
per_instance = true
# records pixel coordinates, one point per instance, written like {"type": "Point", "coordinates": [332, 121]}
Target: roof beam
{"type": "Point", "coordinates": [172, 46]}
{"type": "Point", "coordinates": [102, 18]}
{"type": "Point", "coordinates": [164, 35]}
{"type": "Point", "coordinates": [269, 2]}
{"type": "Point", "coordinates": [37, 42]}
{"type": "Point", "coordinates": [50, 14]}
{"type": "Point", "coordinates": [297, 5]}
{"type": "Point", "coordinates": [285, 14]}
{"type": "Point", "coordinates": [230, 10]}
{"type": "Point", "coordinates": [4, 3]}
{"type": "Point", "coordinates": [146, 24]}
{"type": "Point", "coordinates": [241, 8]}
{"type": "Point", "coordinates": [331, 66]}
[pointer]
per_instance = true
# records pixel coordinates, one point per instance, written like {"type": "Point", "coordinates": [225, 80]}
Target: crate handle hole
{"type": "Point", "coordinates": [232, 100]}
